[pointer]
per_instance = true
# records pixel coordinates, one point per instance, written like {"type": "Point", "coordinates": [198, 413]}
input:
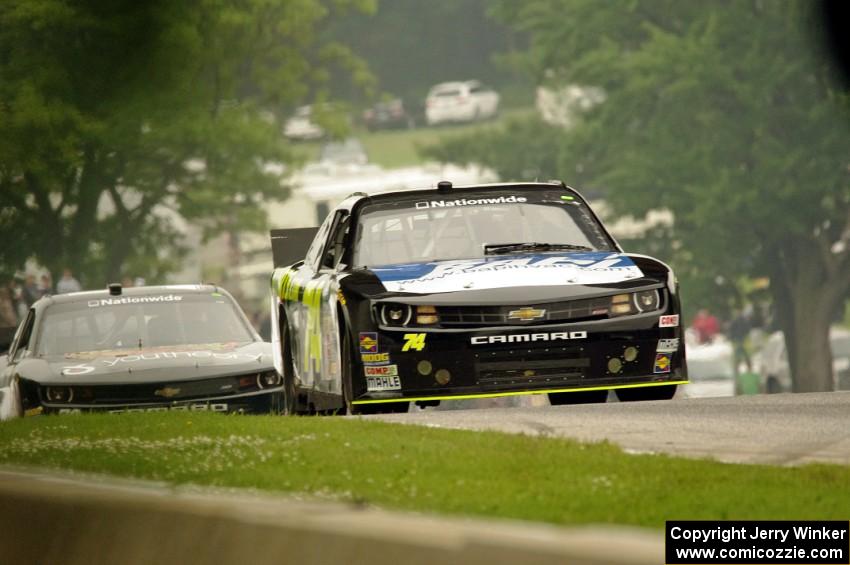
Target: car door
{"type": "Point", "coordinates": [10, 406]}
{"type": "Point", "coordinates": [294, 297]}
{"type": "Point", "coordinates": [324, 317]}
{"type": "Point", "coordinates": [311, 309]}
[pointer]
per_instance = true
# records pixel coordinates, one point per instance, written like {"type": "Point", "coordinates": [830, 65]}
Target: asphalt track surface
{"type": "Point", "coordinates": [781, 429]}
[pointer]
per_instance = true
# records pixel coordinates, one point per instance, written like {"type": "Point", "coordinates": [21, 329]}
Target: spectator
{"type": "Point", "coordinates": [127, 282]}
{"type": "Point", "coordinates": [46, 286]}
{"type": "Point", "coordinates": [706, 326]}
{"type": "Point", "coordinates": [68, 283]}
{"type": "Point", "coordinates": [16, 300]}
{"type": "Point", "coordinates": [8, 315]}
{"type": "Point", "coordinates": [31, 292]}
{"type": "Point", "coordinates": [739, 330]}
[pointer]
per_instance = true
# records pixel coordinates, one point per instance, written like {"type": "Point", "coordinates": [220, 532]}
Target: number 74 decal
{"type": "Point", "coordinates": [415, 342]}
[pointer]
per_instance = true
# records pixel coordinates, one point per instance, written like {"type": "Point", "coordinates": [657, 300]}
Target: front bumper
{"type": "Point", "coordinates": [258, 402]}
{"type": "Point", "coordinates": [441, 364]}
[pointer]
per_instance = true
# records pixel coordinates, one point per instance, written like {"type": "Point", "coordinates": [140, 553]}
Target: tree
{"type": "Point", "coordinates": [723, 113]}
{"type": "Point", "coordinates": [119, 118]}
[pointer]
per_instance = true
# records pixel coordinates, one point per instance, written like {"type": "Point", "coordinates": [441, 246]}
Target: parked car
{"type": "Point", "coordinates": [460, 102]}
{"type": "Point", "coordinates": [387, 114]}
{"type": "Point", "coordinates": [346, 152]}
{"type": "Point", "coordinates": [469, 292]}
{"type": "Point", "coordinates": [775, 372]}
{"type": "Point", "coordinates": [300, 126]}
{"type": "Point", "coordinates": [154, 348]}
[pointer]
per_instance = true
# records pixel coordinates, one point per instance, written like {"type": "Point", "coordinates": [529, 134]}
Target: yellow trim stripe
{"type": "Point", "coordinates": [515, 393]}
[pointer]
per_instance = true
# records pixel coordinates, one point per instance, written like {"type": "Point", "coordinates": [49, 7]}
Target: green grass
{"type": "Point", "coordinates": [426, 469]}
{"type": "Point", "coordinates": [399, 148]}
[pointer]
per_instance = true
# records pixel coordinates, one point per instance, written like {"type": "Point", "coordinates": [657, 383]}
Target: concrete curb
{"type": "Point", "coordinates": [55, 518]}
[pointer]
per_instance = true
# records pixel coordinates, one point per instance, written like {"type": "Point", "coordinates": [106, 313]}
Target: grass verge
{"type": "Point", "coordinates": [426, 469]}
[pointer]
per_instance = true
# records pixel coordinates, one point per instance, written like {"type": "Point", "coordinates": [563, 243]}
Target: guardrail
{"type": "Point", "coordinates": [69, 519]}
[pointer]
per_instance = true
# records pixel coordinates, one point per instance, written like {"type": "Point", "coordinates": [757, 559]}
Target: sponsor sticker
{"type": "Point", "coordinates": [504, 272]}
{"type": "Point", "coordinates": [469, 202]}
{"type": "Point", "coordinates": [134, 300]}
{"type": "Point", "coordinates": [375, 358]}
{"type": "Point", "coordinates": [377, 384]}
{"type": "Point", "coordinates": [381, 371]}
{"type": "Point", "coordinates": [667, 345]}
{"type": "Point", "coordinates": [368, 342]}
{"type": "Point", "coordinates": [670, 321]}
{"type": "Point", "coordinates": [520, 338]}
{"type": "Point", "coordinates": [662, 363]}
{"type": "Point", "coordinates": [415, 342]}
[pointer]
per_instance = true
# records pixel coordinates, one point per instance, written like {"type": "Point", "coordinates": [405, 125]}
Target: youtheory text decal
{"type": "Point", "coordinates": [117, 362]}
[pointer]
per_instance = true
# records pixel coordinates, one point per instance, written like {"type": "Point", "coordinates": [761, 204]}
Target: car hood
{"type": "Point", "coordinates": [154, 364]}
{"type": "Point", "coordinates": [507, 271]}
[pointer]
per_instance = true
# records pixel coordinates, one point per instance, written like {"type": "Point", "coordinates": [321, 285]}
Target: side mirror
{"type": "Point", "coordinates": [7, 334]}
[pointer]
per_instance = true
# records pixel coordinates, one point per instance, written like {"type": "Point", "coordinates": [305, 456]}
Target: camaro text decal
{"type": "Point", "coordinates": [518, 338]}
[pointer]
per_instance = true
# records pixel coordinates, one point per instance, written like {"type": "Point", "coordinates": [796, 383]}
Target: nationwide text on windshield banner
{"type": "Point", "coordinates": [692, 542]}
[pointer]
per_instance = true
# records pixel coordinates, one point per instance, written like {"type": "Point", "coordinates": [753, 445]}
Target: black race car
{"type": "Point", "coordinates": [469, 292]}
{"type": "Point", "coordinates": [149, 348]}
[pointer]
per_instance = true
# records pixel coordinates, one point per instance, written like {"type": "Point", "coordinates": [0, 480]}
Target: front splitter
{"type": "Point", "coordinates": [513, 393]}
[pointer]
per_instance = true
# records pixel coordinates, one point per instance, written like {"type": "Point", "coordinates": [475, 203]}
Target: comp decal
{"type": "Point", "coordinates": [670, 345]}
{"type": "Point", "coordinates": [662, 363]}
{"type": "Point", "coordinates": [498, 272]}
{"type": "Point", "coordinates": [670, 321]}
{"type": "Point", "coordinates": [380, 370]}
{"type": "Point", "coordinates": [522, 338]}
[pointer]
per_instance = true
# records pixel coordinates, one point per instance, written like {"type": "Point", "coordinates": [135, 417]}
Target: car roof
{"type": "Point", "coordinates": [129, 291]}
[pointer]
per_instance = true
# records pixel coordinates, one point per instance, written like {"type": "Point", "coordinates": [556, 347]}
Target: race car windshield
{"type": "Point", "coordinates": [133, 322]}
{"type": "Point", "coordinates": [472, 226]}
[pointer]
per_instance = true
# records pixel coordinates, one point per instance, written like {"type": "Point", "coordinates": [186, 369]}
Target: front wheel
{"type": "Point", "coordinates": [578, 397]}
{"type": "Point", "coordinates": [664, 392]}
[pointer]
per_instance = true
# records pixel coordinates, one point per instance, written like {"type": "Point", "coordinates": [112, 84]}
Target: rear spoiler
{"type": "Point", "coordinates": [290, 246]}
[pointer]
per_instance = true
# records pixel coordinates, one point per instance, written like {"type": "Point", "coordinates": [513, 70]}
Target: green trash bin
{"type": "Point", "coordinates": [748, 383]}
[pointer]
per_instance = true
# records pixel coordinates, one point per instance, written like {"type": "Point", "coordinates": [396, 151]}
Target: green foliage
{"type": "Point", "coordinates": [121, 118]}
{"type": "Point", "coordinates": [723, 112]}
{"type": "Point", "coordinates": [424, 469]}
{"type": "Point", "coordinates": [411, 45]}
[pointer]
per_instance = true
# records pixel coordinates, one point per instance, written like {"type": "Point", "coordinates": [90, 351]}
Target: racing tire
{"type": "Point", "coordinates": [579, 397]}
{"type": "Point", "coordinates": [289, 394]}
{"type": "Point", "coordinates": [665, 392]}
{"type": "Point", "coordinates": [351, 409]}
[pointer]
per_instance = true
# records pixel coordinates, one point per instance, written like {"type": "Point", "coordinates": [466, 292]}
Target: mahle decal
{"type": "Point", "coordinates": [377, 384]}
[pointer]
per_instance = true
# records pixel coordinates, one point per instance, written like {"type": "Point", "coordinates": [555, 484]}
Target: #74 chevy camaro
{"type": "Point", "coordinates": [469, 292]}
{"type": "Point", "coordinates": [138, 349]}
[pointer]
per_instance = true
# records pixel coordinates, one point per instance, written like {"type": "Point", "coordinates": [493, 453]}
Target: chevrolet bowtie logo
{"type": "Point", "coordinates": [167, 392]}
{"type": "Point", "coordinates": [526, 314]}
